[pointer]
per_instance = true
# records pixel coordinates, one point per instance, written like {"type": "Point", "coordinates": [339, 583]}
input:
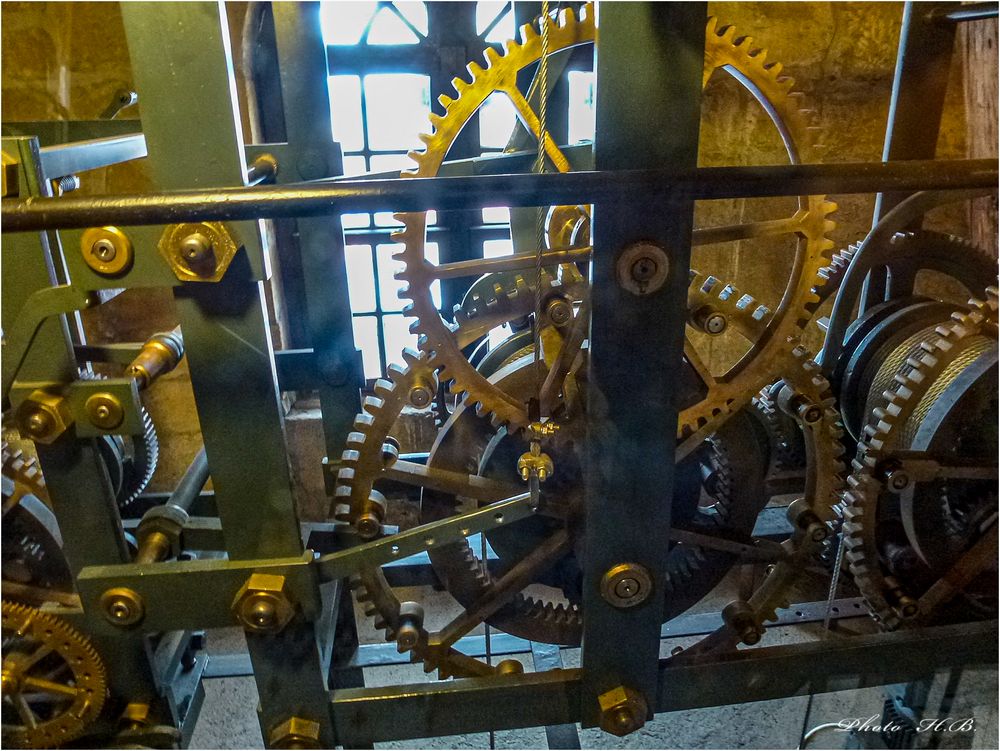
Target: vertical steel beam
{"type": "Point", "coordinates": [183, 72]}
{"type": "Point", "coordinates": [313, 154]}
{"type": "Point", "coordinates": [923, 62]}
{"type": "Point", "coordinates": [649, 77]}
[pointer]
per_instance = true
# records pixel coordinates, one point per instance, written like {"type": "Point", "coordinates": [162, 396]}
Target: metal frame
{"type": "Point", "coordinates": [303, 671]}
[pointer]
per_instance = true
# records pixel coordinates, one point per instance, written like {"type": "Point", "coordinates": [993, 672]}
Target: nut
{"type": "Point", "coordinates": [262, 605]}
{"type": "Point", "coordinates": [107, 250]}
{"type": "Point", "coordinates": [623, 711]}
{"type": "Point", "coordinates": [105, 411]}
{"type": "Point", "coordinates": [123, 607]}
{"type": "Point", "coordinates": [642, 268]}
{"type": "Point", "coordinates": [198, 252]}
{"type": "Point", "coordinates": [295, 732]}
{"type": "Point", "coordinates": [43, 417]}
{"type": "Point", "coordinates": [626, 585]}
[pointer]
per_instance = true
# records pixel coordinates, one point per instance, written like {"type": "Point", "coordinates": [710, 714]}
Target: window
{"type": "Point", "coordinates": [385, 74]}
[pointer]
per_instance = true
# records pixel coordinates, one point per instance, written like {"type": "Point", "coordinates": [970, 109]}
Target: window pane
{"type": "Point", "coordinates": [354, 165]}
{"type": "Point", "coordinates": [432, 255]}
{"type": "Point", "coordinates": [355, 221]}
{"type": "Point", "coordinates": [394, 101]}
{"type": "Point", "coordinates": [396, 330]}
{"type": "Point", "coordinates": [504, 28]}
{"type": "Point", "coordinates": [415, 13]}
{"type": "Point", "coordinates": [496, 215]}
{"type": "Point", "coordinates": [497, 248]}
{"type": "Point", "coordinates": [497, 336]}
{"type": "Point", "coordinates": [360, 278]}
{"type": "Point", "coordinates": [391, 162]}
{"type": "Point", "coordinates": [496, 121]}
{"type": "Point", "coordinates": [581, 106]}
{"type": "Point", "coordinates": [388, 285]}
{"type": "Point", "coordinates": [388, 28]}
{"type": "Point", "coordinates": [343, 22]}
{"type": "Point", "coordinates": [366, 339]}
{"type": "Point", "coordinates": [345, 110]}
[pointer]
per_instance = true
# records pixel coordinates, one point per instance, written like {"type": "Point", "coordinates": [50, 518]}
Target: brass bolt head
{"type": "Point", "coordinates": [559, 311]}
{"type": "Point", "coordinates": [623, 711]}
{"type": "Point", "coordinates": [715, 323]}
{"type": "Point", "coordinates": [43, 417]}
{"type": "Point", "coordinates": [510, 667]}
{"type": "Point", "coordinates": [263, 605]}
{"type": "Point", "coordinates": [420, 396]}
{"type": "Point", "coordinates": [107, 250]}
{"type": "Point", "coordinates": [196, 249]}
{"type": "Point", "coordinates": [295, 732]}
{"type": "Point", "coordinates": [642, 268]}
{"type": "Point", "coordinates": [626, 585]}
{"type": "Point", "coordinates": [123, 607]}
{"type": "Point", "coordinates": [105, 411]}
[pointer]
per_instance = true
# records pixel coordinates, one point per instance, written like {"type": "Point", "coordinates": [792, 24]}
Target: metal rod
{"type": "Point", "coordinates": [968, 12]}
{"type": "Point", "coordinates": [420, 194]}
{"type": "Point", "coordinates": [191, 483]}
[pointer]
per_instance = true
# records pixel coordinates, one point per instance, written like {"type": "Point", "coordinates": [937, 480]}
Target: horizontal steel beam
{"type": "Point", "coordinates": [553, 698]}
{"type": "Point", "coordinates": [419, 194]}
{"type": "Point", "coordinates": [80, 156]}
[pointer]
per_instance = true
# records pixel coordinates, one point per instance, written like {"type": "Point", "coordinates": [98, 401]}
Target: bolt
{"type": "Point", "coordinates": [899, 480]}
{"type": "Point", "coordinates": [626, 587]}
{"type": "Point", "coordinates": [105, 411]}
{"type": "Point", "coordinates": [420, 396]}
{"type": "Point", "coordinates": [122, 607]}
{"type": "Point", "coordinates": [262, 613]}
{"type": "Point", "coordinates": [623, 720]}
{"type": "Point", "coordinates": [120, 611]}
{"type": "Point", "coordinates": [510, 667]}
{"type": "Point", "coordinates": [368, 526]}
{"type": "Point", "coordinates": [104, 249]}
{"type": "Point", "coordinates": [644, 269]}
{"type": "Point", "coordinates": [715, 323]}
{"type": "Point", "coordinates": [196, 248]}
{"type": "Point", "coordinates": [560, 312]}
{"type": "Point", "coordinates": [38, 423]}
{"type": "Point", "coordinates": [809, 412]}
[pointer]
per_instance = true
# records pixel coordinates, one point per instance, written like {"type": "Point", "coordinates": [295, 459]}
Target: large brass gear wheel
{"type": "Point", "coordinates": [936, 360]}
{"type": "Point", "coordinates": [54, 682]}
{"type": "Point", "coordinates": [772, 334]}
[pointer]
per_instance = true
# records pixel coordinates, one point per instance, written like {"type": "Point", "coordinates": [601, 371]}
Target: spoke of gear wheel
{"type": "Point", "coordinates": [53, 679]}
{"type": "Point", "coordinates": [880, 437]}
{"type": "Point", "coordinates": [771, 332]}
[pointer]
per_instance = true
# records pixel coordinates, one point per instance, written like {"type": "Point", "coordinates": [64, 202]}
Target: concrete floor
{"type": "Point", "coordinates": [228, 718]}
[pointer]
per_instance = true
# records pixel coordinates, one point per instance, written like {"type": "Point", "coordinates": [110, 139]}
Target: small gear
{"type": "Point", "coordinates": [885, 432]}
{"type": "Point", "coordinates": [54, 682]}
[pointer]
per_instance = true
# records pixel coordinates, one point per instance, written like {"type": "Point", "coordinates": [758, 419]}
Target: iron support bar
{"type": "Point", "coordinates": [421, 194]}
{"type": "Point", "coordinates": [80, 156]}
{"type": "Point", "coordinates": [632, 376]}
{"type": "Point", "coordinates": [958, 13]}
{"type": "Point", "coordinates": [553, 698]}
{"type": "Point", "coordinates": [182, 63]}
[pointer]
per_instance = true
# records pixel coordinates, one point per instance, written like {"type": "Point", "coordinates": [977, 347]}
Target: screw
{"type": "Point", "coordinates": [899, 480]}
{"type": "Point", "coordinates": [809, 412]}
{"type": "Point", "coordinates": [122, 607]}
{"type": "Point", "coordinates": [715, 323]}
{"type": "Point", "coordinates": [262, 613]}
{"type": "Point", "coordinates": [420, 396]}
{"type": "Point", "coordinates": [644, 269]}
{"type": "Point", "coordinates": [196, 248]}
{"type": "Point", "coordinates": [559, 312]}
{"type": "Point", "coordinates": [104, 249]}
{"type": "Point", "coordinates": [120, 610]}
{"type": "Point", "coordinates": [626, 587]}
{"type": "Point", "coordinates": [38, 423]}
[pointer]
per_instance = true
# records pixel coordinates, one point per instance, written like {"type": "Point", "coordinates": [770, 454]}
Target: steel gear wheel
{"type": "Point", "coordinates": [54, 682]}
{"type": "Point", "coordinates": [917, 379]}
{"type": "Point", "coordinates": [726, 393]}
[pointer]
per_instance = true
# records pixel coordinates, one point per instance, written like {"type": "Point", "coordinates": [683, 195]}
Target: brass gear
{"type": "Point", "coordinates": [43, 653]}
{"type": "Point", "coordinates": [370, 453]}
{"type": "Point", "coordinates": [768, 352]}
{"type": "Point", "coordinates": [882, 434]}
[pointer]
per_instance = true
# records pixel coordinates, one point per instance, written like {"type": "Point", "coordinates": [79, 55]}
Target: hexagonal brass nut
{"type": "Point", "coordinates": [295, 732]}
{"type": "Point", "coordinates": [43, 417]}
{"type": "Point", "coordinates": [263, 605]}
{"type": "Point", "coordinates": [210, 269]}
{"type": "Point", "coordinates": [623, 711]}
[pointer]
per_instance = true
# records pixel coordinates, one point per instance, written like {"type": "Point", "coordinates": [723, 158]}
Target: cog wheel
{"type": "Point", "coordinates": [771, 332]}
{"type": "Point", "coordinates": [54, 682]}
{"type": "Point", "coordinates": [917, 384]}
